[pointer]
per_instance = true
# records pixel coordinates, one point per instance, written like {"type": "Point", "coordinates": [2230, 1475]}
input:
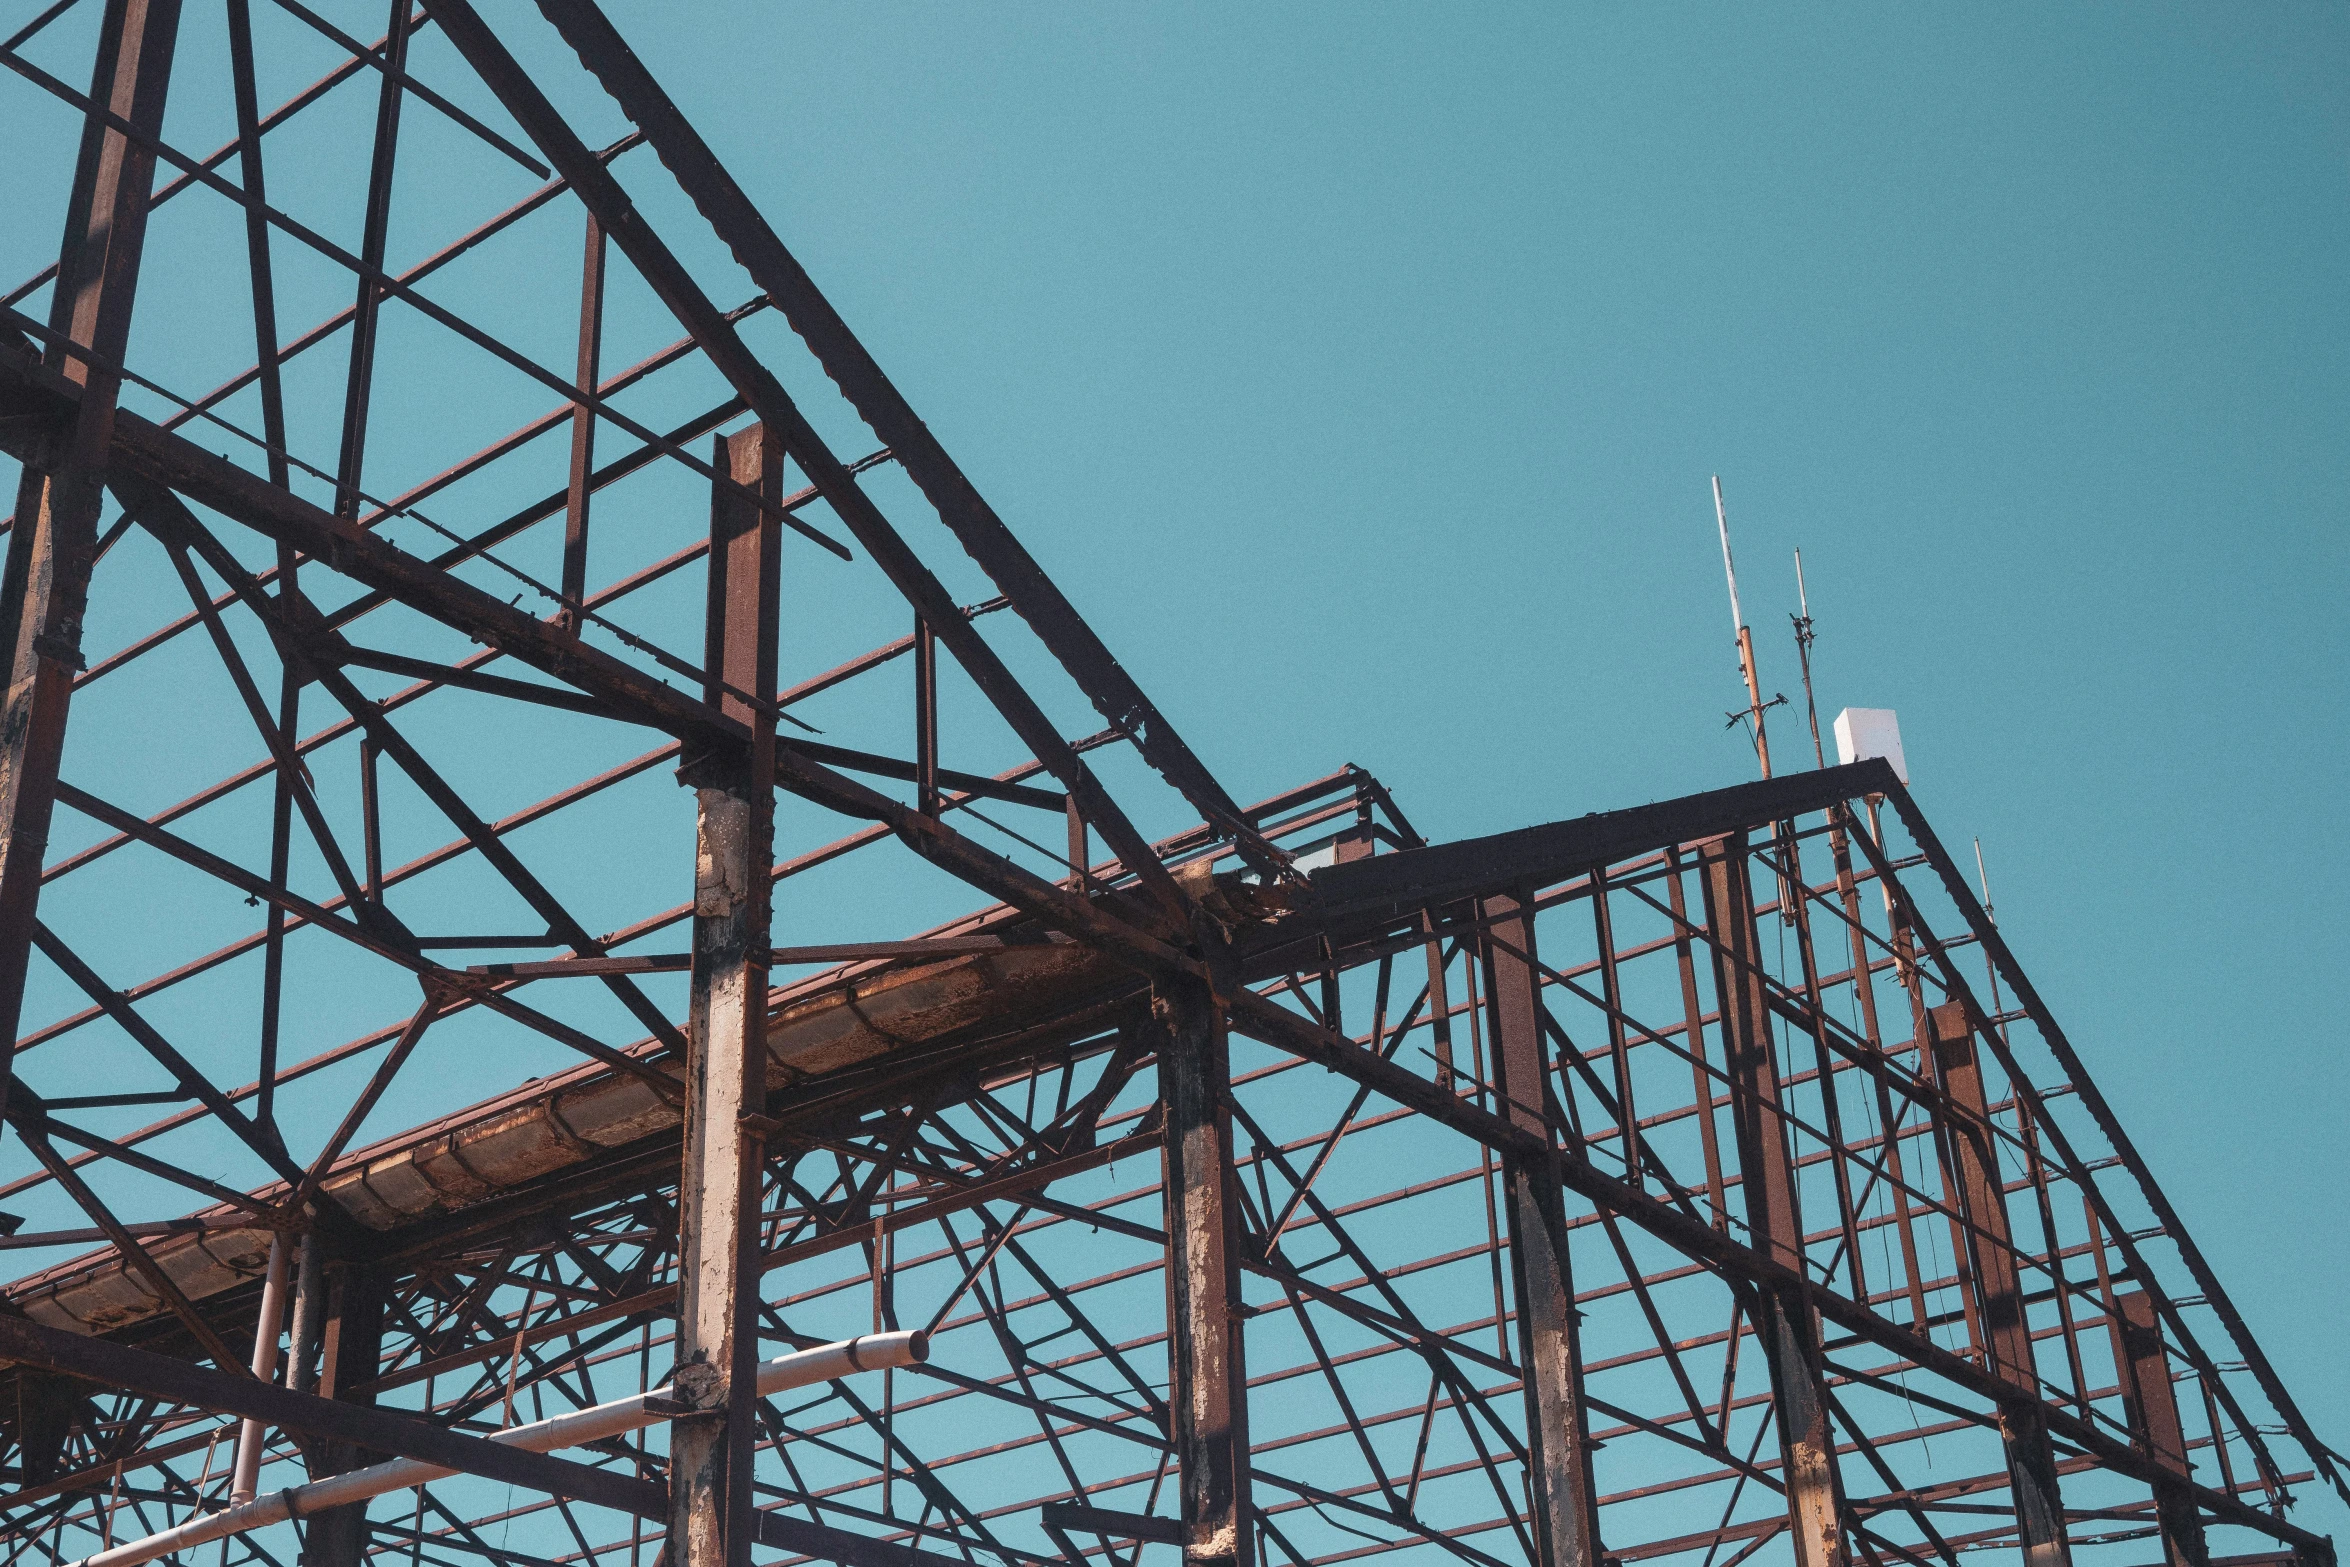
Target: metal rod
{"type": "Point", "coordinates": [252, 1433]}
{"type": "Point", "coordinates": [868, 1352]}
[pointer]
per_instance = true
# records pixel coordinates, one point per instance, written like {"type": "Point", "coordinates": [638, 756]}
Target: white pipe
{"type": "Point", "coordinates": [870, 1352]}
{"type": "Point", "coordinates": [1722, 517]}
{"type": "Point", "coordinates": [247, 1469]}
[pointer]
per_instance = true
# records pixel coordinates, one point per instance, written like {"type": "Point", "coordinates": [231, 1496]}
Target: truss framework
{"type": "Point", "coordinates": [1700, 1181]}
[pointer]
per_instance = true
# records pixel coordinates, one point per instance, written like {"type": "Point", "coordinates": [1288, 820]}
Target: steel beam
{"type": "Point", "coordinates": [579, 489]}
{"type": "Point", "coordinates": [711, 1442]}
{"type": "Point", "coordinates": [46, 583]}
{"type": "Point", "coordinates": [349, 1348]}
{"type": "Point", "coordinates": [2005, 1330]}
{"type": "Point", "coordinates": [1785, 1327]}
{"type": "Point", "coordinates": [1397, 885]}
{"type": "Point", "coordinates": [2076, 1072]}
{"type": "Point", "coordinates": [162, 1376]}
{"type": "Point", "coordinates": [1040, 602]}
{"type": "Point", "coordinates": [1684, 1230]}
{"type": "Point", "coordinates": [2153, 1406]}
{"type": "Point", "coordinates": [1207, 1376]}
{"type": "Point", "coordinates": [629, 695]}
{"type": "Point", "coordinates": [1558, 1433]}
{"type": "Point", "coordinates": [764, 394]}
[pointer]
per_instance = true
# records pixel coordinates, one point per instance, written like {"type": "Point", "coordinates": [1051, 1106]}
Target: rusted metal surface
{"type": "Point", "coordinates": [1651, 1184]}
{"type": "Point", "coordinates": [2004, 1332]}
{"type": "Point", "coordinates": [1207, 1369]}
{"type": "Point", "coordinates": [1558, 1429]}
{"type": "Point", "coordinates": [1786, 1332]}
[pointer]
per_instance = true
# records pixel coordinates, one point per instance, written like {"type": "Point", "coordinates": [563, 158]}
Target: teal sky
{"type": "Point", "coordinates": [1360, 372]}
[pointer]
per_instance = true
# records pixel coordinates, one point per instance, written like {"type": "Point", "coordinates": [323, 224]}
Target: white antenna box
{"type": "Point", "coordinates": [1863, 732]}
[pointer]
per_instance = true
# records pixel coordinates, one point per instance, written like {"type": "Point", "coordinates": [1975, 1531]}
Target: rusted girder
{"type": "Point", "coordinates": [1785, 1325]}
{"type": "Point", "coordinates": [2006, 1332]}
{"type": "Point", "coordinates": [753, 241]}
{"type": "Point", "coordinates": [766, 397]}
{"type": "Point", "coordinates": [628, 694]}
{"type": "Point", "coordinates": [166, 1377]}
{"type": "Point", "coordinates": [710, 1440]}
{"type": "Point", "coordinates": [1558, 1431]}
{"type": "Point", "coordinates": [46, 583]}
{"type": "Point", "coordinates": [1207, 1371]}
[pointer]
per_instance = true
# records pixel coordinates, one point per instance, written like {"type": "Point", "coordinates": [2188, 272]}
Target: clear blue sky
{"type": "Point", "coordinates": [1360, 371]}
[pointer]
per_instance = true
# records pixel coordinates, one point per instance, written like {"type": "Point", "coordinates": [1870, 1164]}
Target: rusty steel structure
{"type": "Point", "coordinates": [641, 765]}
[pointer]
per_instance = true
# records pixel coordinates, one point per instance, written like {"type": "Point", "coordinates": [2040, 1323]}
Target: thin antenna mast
{"type": "Point", "coordinates": [1754, 701]}
{"type": "Point", "coordinates": [1803, 638]}
{"type": "Point", "coordinates": [1990, 969]}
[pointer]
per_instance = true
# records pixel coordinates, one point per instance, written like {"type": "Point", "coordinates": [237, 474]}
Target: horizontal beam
{"type": "Point", "coordinates": [826, 1543]}
{"type": "Point", "coordinates": [1111, 1522]}
{"type": "Point", "coordinates": [2076, 1072]}
{"type": "Point", "coordinates": [980, 784]}
{"type": "Point", "coordinates": [1691, 1236]}
{"type": "Point", "coordinates": [1388, 885]}
{"type": "Point", "coordinates": [36, 405]}
{"type": "Point", "coordinates": [162, 1376]}
{"type": "Point", "coordinates": [598, 1423]}
{"type": "Point", "coordinates": [774, 957]}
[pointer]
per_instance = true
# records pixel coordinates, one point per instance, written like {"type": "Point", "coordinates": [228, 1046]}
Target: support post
{"type": "Point", "coordinates": [1207, 1377]}
{"type": "Point", "coordinates": [245, 1472]}
{"type": "Point", "coordinates": [711, 1444]}
{"type": "Point", "coordinates": [2153, 1407]}
{"type": "Point", "coordinates": [2007, 1332]}
{"type": "Point", "coordinates": [578, 492]}
{"type": "Point", "coordinates": [54, 545]}
{"type": "Point", "coordinates": [348, 1349]}
{"type": "Point", "coordinates": [1558, 1445]}
{"type": "Point", "coordinates": [1783, 1323]}
{"type": "Point", "coordinates": [926, 795]}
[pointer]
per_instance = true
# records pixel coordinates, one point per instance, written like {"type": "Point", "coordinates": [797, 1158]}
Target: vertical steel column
{"type": "Point", "coordinates": [375, 232]}
{"type": "Point", "coordinates": [926, 796]}
{"type": "Point", "coordinates": [711, 1443]}
{"type": "Point", "coordinates": [1558, 1451]}
{"type": "Point", "coordinates": [273, 433]}
{"type": "Point", "coordinates": [577, 491]}
{"type": "Point", "coordinates": [244, 1473]}
{"type": "Point", "coordinates": [1703, 1093]}
{"type": "Point", "coordinates": [1784, 1329]}
{"type": "Point", "coordinates": [2153, 1407]}
{"type": "Point", "coordinates": [54, 545]}
{"type": "Point", "coordinates": [2007, 1330]}
{"type": "Point", "coordinates": [348, 1348]}
{"type": "Point", "coordinates": [1207, 1374]}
